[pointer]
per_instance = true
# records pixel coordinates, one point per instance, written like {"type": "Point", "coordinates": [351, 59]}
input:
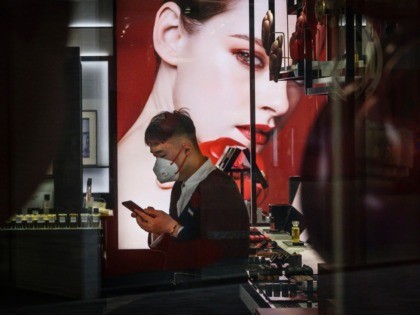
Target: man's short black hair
{"type": "Point", "coordinates": [168, 124]}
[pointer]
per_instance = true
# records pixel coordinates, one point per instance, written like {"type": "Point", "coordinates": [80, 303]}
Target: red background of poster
{"type": "Point", "coordinates": [136, 61]}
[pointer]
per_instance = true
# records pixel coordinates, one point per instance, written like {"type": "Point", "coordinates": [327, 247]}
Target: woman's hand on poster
{"type": "Point", "coordinates": [154, 221]}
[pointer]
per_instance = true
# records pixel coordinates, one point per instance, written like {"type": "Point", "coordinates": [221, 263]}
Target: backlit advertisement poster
{"type": "Point", "coordinates": [171, 56]}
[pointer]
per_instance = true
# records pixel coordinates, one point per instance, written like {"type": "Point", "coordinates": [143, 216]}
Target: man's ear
{"type": "Point", "coordinates": [167, 32]}
{"type": "Point", "coordinates": [187, 147]}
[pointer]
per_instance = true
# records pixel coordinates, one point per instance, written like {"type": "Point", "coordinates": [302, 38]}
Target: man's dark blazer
{"type": "Point", "coordinates": [215, 226]}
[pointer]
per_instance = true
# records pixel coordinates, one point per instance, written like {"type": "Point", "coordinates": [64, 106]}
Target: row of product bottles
{"type": "Point", "coordinates": [54, 221]}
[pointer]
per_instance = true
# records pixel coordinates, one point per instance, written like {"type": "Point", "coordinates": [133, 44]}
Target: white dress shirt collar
{"type": "Point", "coordinates": [189, 186]}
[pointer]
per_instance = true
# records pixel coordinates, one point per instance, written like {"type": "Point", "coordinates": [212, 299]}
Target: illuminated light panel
{"type": "Point", "coordinates": [96, 97]}
{"type": "Point", "coordinates": [91, 24]}
{"type": "Point", "coordinates": [95, 54]}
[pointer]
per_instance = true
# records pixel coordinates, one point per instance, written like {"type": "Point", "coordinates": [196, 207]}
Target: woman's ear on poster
{"type": "Point", "coordinates": [168, 32]}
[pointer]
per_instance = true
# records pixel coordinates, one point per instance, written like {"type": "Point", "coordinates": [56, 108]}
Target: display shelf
{"type": "Point", "coordinates": [62, 262]}
{"type": "Point", "coordinates": [346, 62]}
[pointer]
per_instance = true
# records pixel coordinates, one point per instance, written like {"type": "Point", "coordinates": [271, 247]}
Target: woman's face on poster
{"type": "Point", "coordinates": [213, 79]}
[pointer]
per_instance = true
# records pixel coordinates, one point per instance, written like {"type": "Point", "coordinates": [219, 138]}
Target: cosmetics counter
{"type": "Point", "coordinates": [282, 274]}
{"type": "Point", "coordinates": [58, 254]}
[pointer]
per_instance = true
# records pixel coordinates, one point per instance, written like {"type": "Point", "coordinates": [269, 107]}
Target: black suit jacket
{"type": "Point", "coordinates": [215, 226]}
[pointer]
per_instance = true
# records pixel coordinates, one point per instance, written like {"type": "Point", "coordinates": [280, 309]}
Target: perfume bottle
{"type": "Point", "coordinates": [85, 219]}
{"type": "Point", "coordinates": [295, 232]}
{"type": "Point", "coordinates": [88, 198]}
{"type": "Point", "coordinates": [46, 204]}
{"type": "Point", "coordinates": [96, 218]}
{"type": "Point", "coordinates": [73, 220]}
{"type": "Point", "coordinates": [52, 218]}
{"type": "Point", "coordinates": [62, 220]}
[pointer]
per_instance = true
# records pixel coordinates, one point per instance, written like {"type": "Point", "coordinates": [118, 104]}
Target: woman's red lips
{"type": "Point", "coordinates": [262, 133]}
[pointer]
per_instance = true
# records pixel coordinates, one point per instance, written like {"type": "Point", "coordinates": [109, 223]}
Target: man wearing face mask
{"type": "Point", "coordinates": [208, 226]}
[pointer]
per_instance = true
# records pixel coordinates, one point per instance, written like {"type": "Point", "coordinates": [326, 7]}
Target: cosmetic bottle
{"type": "Point", "coordinates": [52, 218]}
{"type": "Point", "coordinates": [40, 221]}
{"type": "Point", "coordinates": [46, 204]}
{"type": "Point", "coordinates": [295, 232]}
{"type": "Point", "coordinates": [88, 202]}
{"type": "Point", "coordinates": [62, 220]}
{"type": "Point", "coordinates": [73, 220]}
{"type": "Point", "coordinates": [19, 221]}
{"type": "Point", "coordinates": [29, 221]}
{"type": "Point", "coordinates": [96, 218]}
{"type": "Point", "coordinates": [84, 219]}
{"type": "Point", "coordinates": [35, 214]}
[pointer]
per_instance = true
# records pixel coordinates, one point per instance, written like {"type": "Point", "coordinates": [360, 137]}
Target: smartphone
{"type": "Point", "coordinates": [131, 205]}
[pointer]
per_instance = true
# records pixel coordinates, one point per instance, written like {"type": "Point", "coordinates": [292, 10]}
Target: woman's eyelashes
{"type": "Point", "coordinates": [243, 56]}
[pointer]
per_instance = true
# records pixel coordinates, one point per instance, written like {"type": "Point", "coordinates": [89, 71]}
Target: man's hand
{"type": "Point", "coordinates": [154, 221]}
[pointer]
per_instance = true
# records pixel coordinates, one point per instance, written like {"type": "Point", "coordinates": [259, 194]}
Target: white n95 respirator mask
{"type": "Point", "coordinates": [165, 170]}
